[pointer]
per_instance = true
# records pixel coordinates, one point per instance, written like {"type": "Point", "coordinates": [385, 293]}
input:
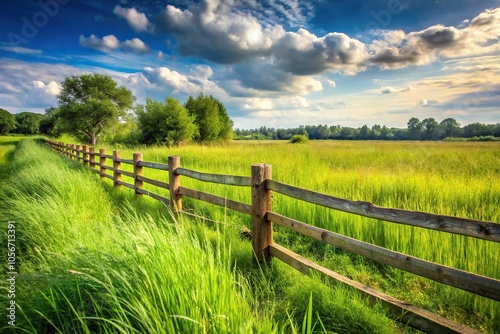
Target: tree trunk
{"type": "Point", "coordinates": [93, 139]}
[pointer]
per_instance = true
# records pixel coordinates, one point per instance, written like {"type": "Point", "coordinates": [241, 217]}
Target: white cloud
{"type": "Point", "coordinates": [52, 88]}
{"type": "Point", "coordinates": [331, 83]}
{"type": "Point", "coordinates": [110, 43]}
{"type": "Point", "coordinates": [168, 81]}
{"type": "Point", "coordinates": [395, 49]}
{"type": "Point", "coordinates": [106, 44]}
{"type": "Point", "coordinates": [138, 21]}
{"type": "Point", "coordinates": [391, 90]}
{"type": "Point", "coordinates": [21, 50]}
{"type": "Point", "coordinates": [135, 45]}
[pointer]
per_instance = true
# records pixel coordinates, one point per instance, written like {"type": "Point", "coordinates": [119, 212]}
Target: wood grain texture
{"type": "Point", "coordinates": [403, 312]}
{"type": "Point", "coordinates": [153, 165]}
{"type": "Point", "coordinates": [217, 200]}
{"type": "Point", "coordinates": [463, 226]}
{"type": "Point", "coordinates": [232, 180]}
{"type": "Point", "coordinates": [262, 201]}
{"type": "Point", "coordinates": [480, 285]}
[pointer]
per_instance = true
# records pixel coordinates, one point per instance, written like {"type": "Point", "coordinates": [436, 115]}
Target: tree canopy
{"type": "Point", "coordinates": [165, 123]}
{"type": "Point", "coordinates": [7, 122]}
{"type": "Point", "coordinates": [211, 117]}
{"type": "Point", "coordinates": [91, 102]}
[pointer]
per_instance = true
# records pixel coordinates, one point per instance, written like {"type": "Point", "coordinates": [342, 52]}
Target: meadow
{"type": "Point", "coordinates": [459, 179]}
{"type": "Point", "coordinates": [101, 259]}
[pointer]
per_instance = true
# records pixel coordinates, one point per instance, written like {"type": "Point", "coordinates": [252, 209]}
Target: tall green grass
{"type": "Point", "coordinates": [459, 179]}
{"type": "Point", "coordinates": [94, 259]}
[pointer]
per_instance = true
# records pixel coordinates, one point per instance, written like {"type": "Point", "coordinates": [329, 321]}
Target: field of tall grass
{"type": "Point", "coordinates": [94, 259]}
{"type": "Point", "coordinates": [460, 179]}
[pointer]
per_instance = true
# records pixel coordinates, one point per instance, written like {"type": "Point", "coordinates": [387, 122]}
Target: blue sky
{"type": "Point", "coordinates": [279, 63]}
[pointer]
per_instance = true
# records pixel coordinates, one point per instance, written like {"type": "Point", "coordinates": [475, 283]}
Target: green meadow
{"type": "Point", "coordinates": [93, 258]}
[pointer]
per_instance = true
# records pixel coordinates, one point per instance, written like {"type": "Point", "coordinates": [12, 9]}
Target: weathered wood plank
{"type": "Point", "coordinates": [138, 172]}
{"type": "Point", "coordinates": [174, 181]}
{"type": "Point", "coordinates": [480, 285]}
{"type": "Point", "coordinates": [262, 202]}
{"type": "Point", "coordinates": [125, 184]}
{"type": "Point", "coordinates": [232, 180]}
{"type": "Point", "coordinates": [103, 175]}
{"type": "Point", "coordinates": [153, 165]}
{"type": "Point", "coordinates": [463, 226]}
{"type": "Point", "coordinates": [165, 200]}
{"type": "Point", "coordinates": [125, 161]}
{"type": "Point", "coordinates": [403, 312]}
{"type": "Point", "coordinates": [124, 172]}
{"type": "Point", "coordinates": [153, 182]}
{"type": "Point", "coordinates": [216, 200]}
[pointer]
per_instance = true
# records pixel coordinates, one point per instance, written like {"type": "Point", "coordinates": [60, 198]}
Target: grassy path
{"type": "Point", "coordinates": [93, 259]}
{"type": "Point", "coordinates": [7, 146]}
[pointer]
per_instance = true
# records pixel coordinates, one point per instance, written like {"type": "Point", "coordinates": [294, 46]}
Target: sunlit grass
{"type": "Point", "coordinates": [94, 259]}
{"type": "Point", "coordinates": [459, 179]}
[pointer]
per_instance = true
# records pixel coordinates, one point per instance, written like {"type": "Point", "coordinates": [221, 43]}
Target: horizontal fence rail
{"type": "Point", "coordinates": [481, 285]}
{"type": "Point", "coordinates": [216, 178]}
{"type": "Point", "coordinates": [261, 191]}
{"type": "Point", "coordinates": [468, 227]}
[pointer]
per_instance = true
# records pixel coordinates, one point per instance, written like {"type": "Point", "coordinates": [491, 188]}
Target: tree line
{"type": "Point", "coordinates": [92, 107]}
{"type": "Point", "coordinates": [427, 129]}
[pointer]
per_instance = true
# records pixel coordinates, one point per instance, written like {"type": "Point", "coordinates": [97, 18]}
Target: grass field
{"type": "Point", "coordinates": [460, 179]}
{"type": "Point", "coordinates": [93, 259]}
{"type": "Point", "coordinates": [115, 246]}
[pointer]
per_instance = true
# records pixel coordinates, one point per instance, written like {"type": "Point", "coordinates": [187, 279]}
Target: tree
{"type": "Point", "coordinates": [364, 132]}
{"type": "Point", "coordinates": [165, 123]}
{"type": "Point", "coordinates": [414, 129]}
{"type": "Point", "coordinates": [430, 129]}
{"type": "Point", "coordinates": [7, 122]}
{"type": "Point", "coordinates": [28, 123]}
{"type": "Point", "coordinates": [91, 102]}
{"type": "Point", "coordinates": [211, 117]}
{"type": "Point", "coordinates": [451, 127]}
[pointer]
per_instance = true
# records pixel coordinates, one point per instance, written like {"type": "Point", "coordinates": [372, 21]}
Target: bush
{"type": "Point", "coordinates": [299, 139]}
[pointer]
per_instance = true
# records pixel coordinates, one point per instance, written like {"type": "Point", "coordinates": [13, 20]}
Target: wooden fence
{"type": "Point", "coordinates": [262, 185]}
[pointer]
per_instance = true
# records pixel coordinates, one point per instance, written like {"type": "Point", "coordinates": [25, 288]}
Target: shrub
{"type": "Point", "coordinates": [299, 139]}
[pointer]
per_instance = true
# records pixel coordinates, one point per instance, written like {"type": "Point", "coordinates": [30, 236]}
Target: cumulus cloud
{"type": "Point", "coordinates": [397, 49]}
{"type": "Point", "coordinates": [169, 81]}
{"type": "Point", "coordinates": [52, 88]}
{"type": "Point", "coordinates": [135, 45]}
{"type": "Point", "coordinates": [136, 20]}
{"type": "Point", "coordinates": [216, 31]}
{"type": "Point", "coordinates": [390, 90]}
{"type": "Point", "coordinates": [110, 43]}
{"type": "Point", "coordinates": [265, 75]}
{"type": "Point", "coordinates": [428, 103]}
{"type": "Point", "coordinates": [106, 44]}
{"type": "Point", "coordinates": [303, 53]}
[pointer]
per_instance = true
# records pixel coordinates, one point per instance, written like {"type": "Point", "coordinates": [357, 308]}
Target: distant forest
{"type": "Point", "coordinates": [427, 129]}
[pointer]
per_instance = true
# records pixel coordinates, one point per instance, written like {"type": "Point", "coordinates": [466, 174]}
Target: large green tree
{"type": "Point", "coordinates": [165, 123]}
{"type": "Point", "coordinates": [211, 117]}
{"type": "Point", "coordinates": [7, 122]}
{"type": "Point", "coordinates": [89, 103]}
{"type": "Point", "coordinates": [28, 123]}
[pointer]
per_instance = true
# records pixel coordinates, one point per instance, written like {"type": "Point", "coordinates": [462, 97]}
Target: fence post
{"type": "Point", "coordinates": [102, 162]}
{"type": "Point", "coordinates": [69, 150]}
{"type": "Point", "coordinates": [174, 183]}
{"type": "Point", "coordinates": [116, 166]}
{"type": "Point", "coordinates": [92, 157]}
{"type": "Point", "coordinates": [138, 171]}
{"type": "Point", "coordinates": [262, 200]}
{"type": "Point", "coordinates": [86, 155]}
{"type": "Point", "coordinates": [78, 148]}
